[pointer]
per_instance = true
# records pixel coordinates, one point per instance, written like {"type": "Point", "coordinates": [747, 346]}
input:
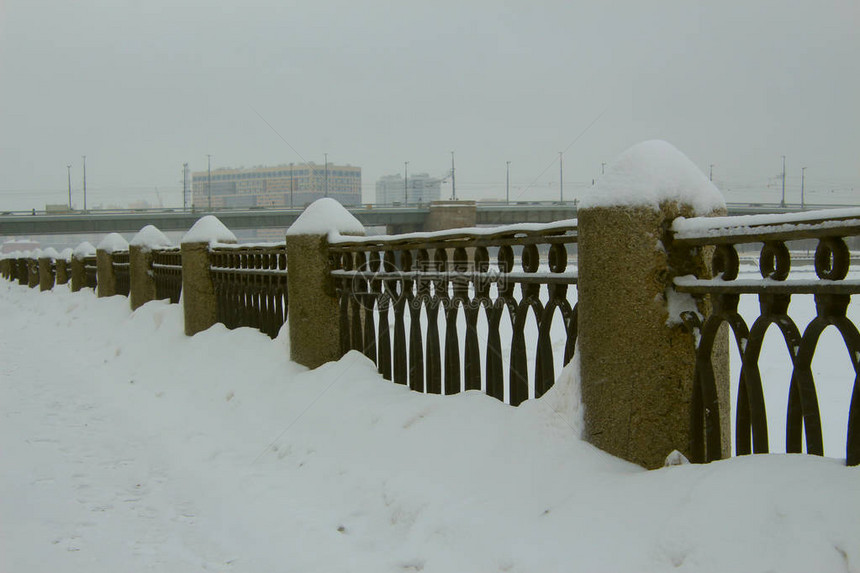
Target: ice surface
{"type": "Point", "coordinates": [650, 173]}
{"type": "Point", "coordinates": [112, 243]}
{"type": "Point", "coordinates": [85, 249]}
{"type": "Point", "coordinates": [324, 216]}
{"type": "Point", "coordinates": [209, 229]}
{"type": "Point", "coordinates": [150, 238]}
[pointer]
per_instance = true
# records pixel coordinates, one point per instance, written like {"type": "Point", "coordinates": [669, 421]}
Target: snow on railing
{"type": "Point", "coordinates": [832, 290]}
{"type": "Point", "coordinates": [250, 285]}
{"type": "Point", "coordinates": [444, 285]}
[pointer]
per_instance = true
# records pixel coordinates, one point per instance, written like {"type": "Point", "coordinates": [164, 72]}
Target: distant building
{"type": "Point", "coordinates": [283, 186]}
{"type": "Point", "coordinates": [419, 188]}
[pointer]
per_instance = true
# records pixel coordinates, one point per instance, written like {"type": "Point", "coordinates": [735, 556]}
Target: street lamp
{"type": "Point", "coordinates": [782, 201]}
{"type": "Point", "coordinates": [561, 176]}
{"type": "Point", "coordinates": [69, 169]}
{"type": "Point", "coordinates": [507, 182]}
{"type": "Point", "coordinates": [326, 174]}
{"type": "Point", "coordinates": [406, 183]}
{"type": "Point", "coordinates": [802, 181]}
{"type": "Point", "coordinates": [85, 181]}
{"type": "Point", "coordinates": [209, 183]}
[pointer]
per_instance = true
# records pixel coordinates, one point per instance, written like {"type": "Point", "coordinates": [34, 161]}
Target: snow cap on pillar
{"type": "Point", "coordinates": [325, 216]}
{"type": "Point", "coordinates": [112, 243]}
{"type": "Point", "coordinates": [651, 173]}
{"type": "Point", "coordinates": [85, 249]}
{"type": "Point", "coordinates": [209, 229]}
{"type": "Point", "coordinates": [150, 237]}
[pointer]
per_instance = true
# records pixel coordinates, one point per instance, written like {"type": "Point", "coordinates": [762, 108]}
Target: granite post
{"type": "Point", "coordinates": [314, 312]}
{"type": "Point", "coordinates": [637, 363]}
{"type": "Point", "coordinates": [198, 291]}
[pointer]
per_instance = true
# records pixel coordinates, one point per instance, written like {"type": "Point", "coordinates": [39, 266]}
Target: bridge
{"type": "Point", "coordinates": [396, 219]}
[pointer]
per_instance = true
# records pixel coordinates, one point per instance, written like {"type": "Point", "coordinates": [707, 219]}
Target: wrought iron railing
{"type": "Point", "coordinates": [121, 270]}
{"type": "Point", "coordinates": [832, 288]}
{"type": "Point", "coordinates": [436, 285]}
{"type": "Point", "coordinates": [250, 286]}
{"type": "Point", "coordinates": [167, 273]}
{"type": "Point", "coordinates": [90, 271]}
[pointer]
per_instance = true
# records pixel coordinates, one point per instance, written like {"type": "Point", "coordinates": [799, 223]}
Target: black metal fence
{"type": "Point", "coordinates": [122, 270]}
{"type": "Point", "coordinates": [832, 289]}
{"type": "Point", "coordinates": [90, 271]}
{"type": "Point", "coordinates": [167, 273]}
{"type": "Point", "coordinates": [251, 286]}
{"type": "Point", "coordinates": [439, 285]}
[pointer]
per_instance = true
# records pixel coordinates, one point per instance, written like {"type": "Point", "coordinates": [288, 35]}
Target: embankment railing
{"type": "Point", "coordinates": [250, 286]}
{"type": "Point", "coordinates": [831, 286]}
{"type": "Point", "coordinates": [489, 281]}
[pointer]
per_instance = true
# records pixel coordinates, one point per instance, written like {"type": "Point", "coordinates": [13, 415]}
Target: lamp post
{"type": "Point", "coordinates": [802, 181]}
{"type": "Point", "coordinates": [782, 201]}
{"type": "Point", "coordinates": [209, 183]}
{"type": "Point", "coordinates": [711, 172]}
{"type": "Point", "coordinates": [326, 174]}
{"type": "Point", "coordinates": [85, 181]}
{"type": "Point", "coordinates": [406, 183]}
{"type": "Point", "coordinates": [603, 168]}
{"type": "Point", "coordinates": [453, 181]}
{"type": "Point", "coordinates": [561, 176]}
{"type": "Point", "coordinates": [69, 169]}
{"type": "Point", "coordinates": [291, 185]}
{"type": "Point", "coordinates": [507, 182]}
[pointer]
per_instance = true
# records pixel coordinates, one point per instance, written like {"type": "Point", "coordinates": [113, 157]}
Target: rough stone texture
{"type": "Point", "coordinates": [198, 291]}
{"type": "Point", "coordinates": [141, 279]}
{"type": "Point", "coordinates": [637, 372]}
{"type": "Point", "coordinates": [79, 274]}
{"type": "Point", "coordinates": [62, 271]}
{"type": "Point", "coordinates": [46, 275]}
{"type": "Point", "coordinates": [106, 282]}
{"type": "Point", "coordinates": [314, 314]}
{"type": "Point", "coordinates": [32, 273]}
{"type": "Point", "coordinates": [450, 215]}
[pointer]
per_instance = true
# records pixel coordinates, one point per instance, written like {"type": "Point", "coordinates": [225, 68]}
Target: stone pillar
{"type": "Point", "coordinates": [46, 274]}
{"type": "Point", "coordinates": [62, 271]}
{"type": "Point", "coordinates": [79, 274]}
{"type": "Point", "coordinates": [313, 312]}
{"type": "Point", "coordinates": [32, 273]}
{"type": "Point", "coordinates": [198, 292]}
{"type": "Point", "coordinates": [141, 278]}
{"type": "Point", "coordinates": [637, 370]}
{"type": "Point", "coordinates": [106, 282]}
{"type": "Point", "coordinates": [451, 215]}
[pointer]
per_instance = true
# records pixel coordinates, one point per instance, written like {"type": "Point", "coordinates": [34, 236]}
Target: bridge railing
{"type": "Point", "coordinates": [831, 285]}
{"type": "Point", "coordinates": [502, 291]}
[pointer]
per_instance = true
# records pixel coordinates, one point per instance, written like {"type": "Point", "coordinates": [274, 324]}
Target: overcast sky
{"type": "Point", "coordinates": [142, 87]}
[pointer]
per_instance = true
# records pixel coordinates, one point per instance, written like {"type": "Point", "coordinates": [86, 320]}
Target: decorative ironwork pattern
{"type": "Point", "coordinates": [251, 287]}
{"type": "Point", "coordinates": [121, 270]}
{"type": "Point", "coordinates": [832, 292]}
{"type": "Point", "coordinates": [167, 272]}
{"type": "Point", "coordinates": [449, 299]}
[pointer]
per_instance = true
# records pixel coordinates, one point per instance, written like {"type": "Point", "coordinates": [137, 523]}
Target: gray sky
{"type": "Point", "coordinates": [142, 87]}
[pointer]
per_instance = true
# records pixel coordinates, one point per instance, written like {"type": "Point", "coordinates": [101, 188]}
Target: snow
{"type": "Point", "coordinates": [771, 223]}
{"type": "Point", "coordinates": [465, 232]}
{"type": "Point", "coordinates": [113, 243]}
{"type": "Point", "coordinates": [51, 253]}
{"type": "Point", "coordinates": [85, 249]}
{"type": "Point", "coordinates": [326, 216]}
{"type": "Point", "coordinates": [209, 229]}
{"type": "Point", "coordinates": [116, 461]}
{"type": "Point", "coordinates": [149, 238]}
{"type": "Point", "coordinates": [651, 173]}
{"type": "Point", "coordinates": [66, 254]}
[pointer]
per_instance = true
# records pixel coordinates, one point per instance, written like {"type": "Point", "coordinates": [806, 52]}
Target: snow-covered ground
{"type": "Point", "coordinates": [126, 446]}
